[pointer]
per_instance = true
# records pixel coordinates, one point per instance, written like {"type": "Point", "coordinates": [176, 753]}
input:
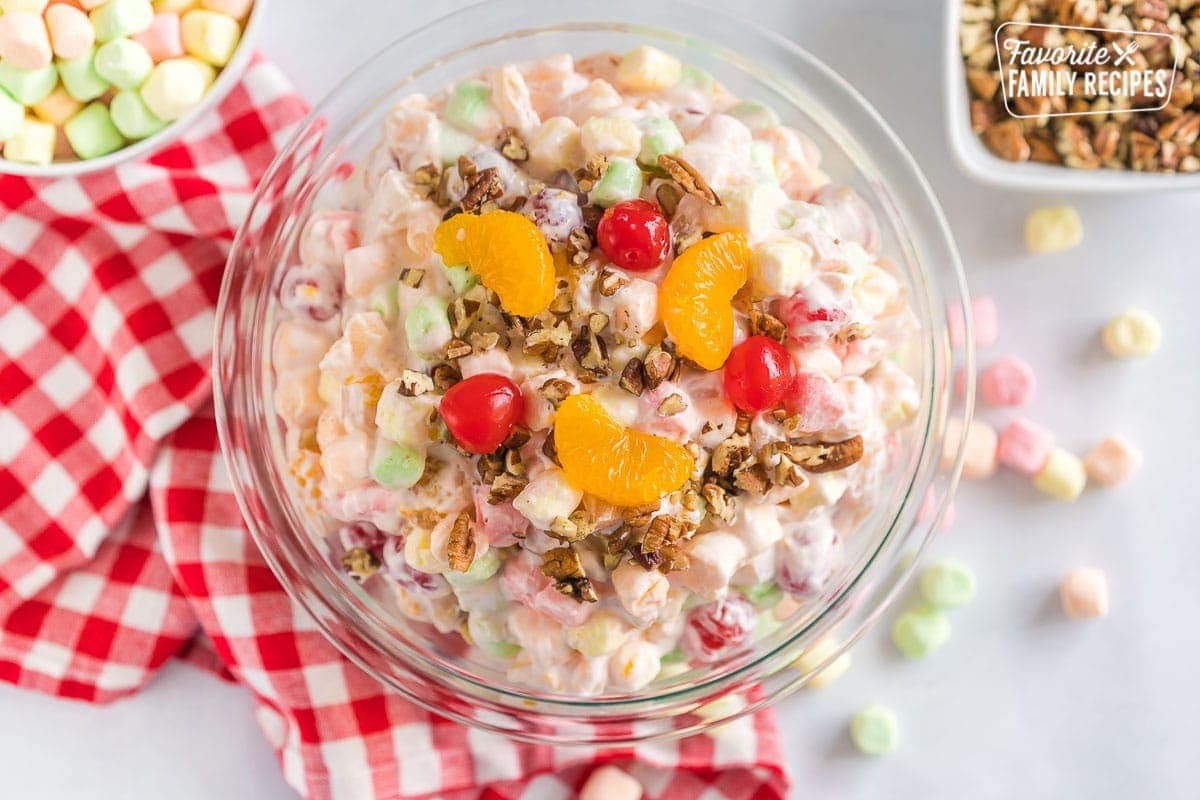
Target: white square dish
{"type": "Point", "coordinates": [978, 162]}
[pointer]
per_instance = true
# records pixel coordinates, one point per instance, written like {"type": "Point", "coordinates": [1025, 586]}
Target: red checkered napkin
{"type": "Point", "coordinates": [120, 542]}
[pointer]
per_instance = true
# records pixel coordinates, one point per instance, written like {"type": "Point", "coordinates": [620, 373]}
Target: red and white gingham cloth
{"type": "Point", "coordinates": [120, 542]}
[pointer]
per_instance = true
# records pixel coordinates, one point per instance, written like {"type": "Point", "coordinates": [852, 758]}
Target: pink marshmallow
{"type": "Point", "coordinates": [1084, 593]}
{"type": "Point", "coordinates": [1009, 381]}
{"type": "Point", "coordinates": [234, 8]}
{"type": "Point", "coordinates": [23, 40]}
{"type": "Point", "coordinates": [984, 319]}
{"type": "Point", "coordinates": [1024, 446]}
{"type": "Point", "coordinates": [161, 39]}
{"type": "Point", "coordinates": [1113, 461]}
{"type": "Point", "coordinates": [71, 33]}
{"type": "Point", "coordinates": [610, 783]}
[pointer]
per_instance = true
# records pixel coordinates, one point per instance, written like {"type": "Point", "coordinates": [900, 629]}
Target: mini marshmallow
{"type": "Point", "coordinates": [12, 114]}
{"type": "Point", "coordinates": [947, 583]}
{"type": "Point", "coordinates": [71, 33]}
{"type": "Point", "coordinates": [162, 39]}
{"type": "Point", "coordinates": [176, 86]}
{"type": "Point", "coordinates": [648, 69]}
{"type": "Point", "coordinates": [209, 36]}
{"type": "Point", "coordinates": [24, 42]}
{"type": "Point", "coordinates": [118, 18]}
{"type": "Point", "coordinates": [1008, 381]}
{"type": "Point", "coordinates": [131, 116]}
{"type": "Point", "coordinates": [610, 137]}
{"type": "Point", "coordinates": [123, 62]}
{"type": "Point", "coordinates": [610, 783]}
{"type": "Point", "coordinates": [1084, 593]}
{"type": "Point", "coordinates": [91, 132]}
{"type": "Point", "coordinates": [920, 631]}
{"type": "Point", "coordinates": [33, 143]}
{"type": "Point", "coordinates": [28, 86]}
{"type": "Point", "coordinates": [816, 654]}
{"type": "Point", "coordinates": [80, 79]}
{"type": "Point", "coordinates": [32, 6]}
{"type": "Point", "coordinates": [875, 731]}
{"type": "Point", "coordinates": [985, 322]}
{"type": "Point", "coordinates": [1113, 461]}
{"type": "Point", "coordinates": [1024, 446]}
{"type": "Point", "coordinates": [1132, 334]}
{"type": "Point", "coordinates": [1053, 229]}
{"type": "Point", "coordinates": [57, 108]}
{"type": "Point", "coordinates": [238, 9]}
{"type": "Point", "coordinates": [979, 448]}
{"type": "Point", "coordinates": [88, 5]}
{"type": "Point", "coordinates": [172, 6]}
{"type": "Point", "coordinates": [1064, 476]}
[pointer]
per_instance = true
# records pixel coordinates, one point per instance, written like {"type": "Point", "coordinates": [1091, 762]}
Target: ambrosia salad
{"type": "Point", "coordinates": [594, 366]}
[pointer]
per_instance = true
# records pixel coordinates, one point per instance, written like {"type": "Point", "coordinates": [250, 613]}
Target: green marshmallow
{"type": "Point", "coordinates": [461, 279]}
{"type": "Point", "coordinates": [12, 113]}
{"type": "Point", "coordinates": [696, 78]}
{"type": "Point", "coordinates": [501, 650]}
{"type": "Point", "coordinates": [947, 583]}
{"type": "Point", "coordinates": [467, 103]}
{"type": "Point", "coordinates": [762, 158]}
{"type": "Point", "coordinates": [453, 143]}
{"type": "Point", "coordinates": [28, 86]}
{"type": "Point", "coordinates": [674, 657]}
{"type": "Point", "coordinates": [754, 115]}
{"type": "Point", "coordinates": [131, 116]}
{"type": "Point", "coordinates": [763, 595]}
{"type": "Point", "coordinates": [920, 631]}
{"type": "Point", "coordinates": [660, 136]}
{"type": "Point", "coordinates": [385, 302]}
{"type": "Point", "coordinates": [427, 326]}
{"type": "Point", "coordinates": [621, 181]}
{"type": "Point", "coordinates": [875, 730]}
{"type": "Point", "coordinates": [91, 132]}
{"type": "Point", "coordinates": [123, 63]}
{"type": "Point", "coordinates": [482, 568]}
{"type": "Point", "coordinates": [118, 18]}
{"type": "Point", "coordinates": [80, 79]}
{"type": "Point", "coordinates": [398, 466]}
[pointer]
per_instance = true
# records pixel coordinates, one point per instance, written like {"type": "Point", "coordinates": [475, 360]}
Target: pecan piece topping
{"type": "Point", "coordinates": [828, 456]}
{"type": "Point", "coordinates": [360, 562]}
{"type": "Point", "coordinates": [445, 376]}
{"type": "Point", "coordinates": [672, 405]}
{"type": "Point", "coordinates": [482, 186]}
{"type": "Point", "coordinates": [506, 487]}
{"type": "Point", "coordinates": [460, 548]}
{"type": "Point", "coordinates": [426, 179]}
{"type": "Point", "coordinates": [767, 325]}
{"type": "Point", "coordinates": [660, 365]}
{"type": "Point", "coordinates": [579, 246]}
{"type": "Point", "coordinates": [688, 178]}
{"type": "Point", "coordinates": [412, 277]}
{"type": "Point", "coordinates": [457, 348]}
{"type": "Point", "coordinates": [562, 564]}
{"type": "Point", "coordinates": [633, 377]}
{"type": "Point", "coordinates": [511, 145]}
{"type": "Point", "coordinates": [414, 384]}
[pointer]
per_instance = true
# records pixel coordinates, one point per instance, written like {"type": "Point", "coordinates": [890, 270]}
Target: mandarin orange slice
{"type": "Point", "coordinates": [695, 298]}
{"type": "Point", "coordinates": [617, 464]}
{"type": "Point", "coordinates": [506, 251]}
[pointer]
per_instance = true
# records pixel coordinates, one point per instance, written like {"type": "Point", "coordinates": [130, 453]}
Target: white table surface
{"type": "Point", "coordinates": [1020, 703]}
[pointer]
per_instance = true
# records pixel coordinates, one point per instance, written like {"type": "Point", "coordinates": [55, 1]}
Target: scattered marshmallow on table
{"type": "Point", "coordinates": [1008, 381]}
{"type": "Point", "coordinates": [610, 783]}
{"type": "Point", "coordinates": [1024, 446]}
{"type": "Point", "coordinates": [1053, 229]}
{"type": "Point", "coordinates": [1063, 476]}
{"type": "Point", "coordinates": [985, 322]}
{"type": "Point", "coordinates": [1084, 593]}
{"type": "Point", "coordinates": [816, 654]}
{"type": "Point", "coordinates": [1113, 460]}
{"type": "Point", "coordinates": [979, 448]}
{"type": "Point", "coordinates": [1132, 334]}
{"type": "Point", "coordinates": [920, 631]}
{"type": "Point", "coordinates": [875, 731]}
{"type": "Point", "coordinates": [947, 583]}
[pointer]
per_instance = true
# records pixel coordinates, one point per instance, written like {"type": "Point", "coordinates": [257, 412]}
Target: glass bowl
{"type": "Point", "coordinates": [438, 672]}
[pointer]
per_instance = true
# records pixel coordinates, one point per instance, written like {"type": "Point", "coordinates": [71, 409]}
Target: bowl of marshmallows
{"type": "Point", "coordinates": [85, 84]}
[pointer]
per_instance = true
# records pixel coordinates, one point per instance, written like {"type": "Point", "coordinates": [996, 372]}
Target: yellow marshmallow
{"type": "Point", "coordinates": [58, 107]}
{"type": "Point", "coordinates": [33, 143]}
{"type": "Point", "coordinates": [814, 655]}
{"type": "Point", "coordinates": [1064, 476]}
{"type": "Point", "coordinates": [172, 6]}
{"type": "Point", "coordinates": [176, 86]}
{"type": "Point", "coordinates": [1053, 229]}
{"type": "Point", "coordinates": [648, 69]}
{"type": "Point", "coordinates": [1132, 334]}
{"type": "Point", "coordinates": [210, 36]}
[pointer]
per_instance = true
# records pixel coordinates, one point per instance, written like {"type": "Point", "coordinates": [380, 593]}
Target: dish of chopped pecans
{"type": "Point", "coordinates": [1120, 133]}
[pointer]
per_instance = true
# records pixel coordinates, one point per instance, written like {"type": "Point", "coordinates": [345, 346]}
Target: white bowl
{"type": "Point", "coordinates": [143, 147]}
{"type": "Point", "coordinates": [978, 162]}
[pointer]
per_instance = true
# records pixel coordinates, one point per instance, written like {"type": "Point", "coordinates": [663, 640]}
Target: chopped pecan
{"type": "Point", "coordinates": [550, 449]}
{"type": "Point", "coordinates": [445, 376]}
{"type": "Point", "coordinates": [513, 464]}
{"type": "Point", "coordinates": [414, 384]}
{"type": "Point", "coordinates": [751, 478]}
{"type": "Point", "coordinates": [466, 167]}
{"type": "Point", "coordinates": [490, 466]}
{"type": "Point", "coordinates": [668, 195]}
{"type": "Point", "coordinates": [565, 529]}
{"type": "Point", "coordinates": [852, 333]}
{"type": "Point", "coordinates": [688, 178]}
{"type": "Point", "coordinates": [767, 325]}
{"type": "Point", "coordinates": [506, 487]}
{"type": "Point", "coordinates": [579, 246]}
{"type": "Point", "coordinates": [674, 558]}
{"type": "Point", "coordinates": [983, 82]}
{"type": "Point", "coordinates": [517, 438]}
{"type": "Point", "coordinates": [482, 186]}
{"type": "Point", "coordinates": [672, 405]}
{"type": "Point", "coordinates": [412, 277]}
{"type": "Point", "coordinates": [638, 517]}
{"type": "Point", "coordinates": [610, 283]}
{"type": "Point", "coordinates": [556, 390]}
{"type": "Point", "coordinates": [360, 562]}
{"type": "Point", "coordinates": [460, 548]}
{"type": "Point", "coordinates": [587, 175]}
{"type": "Point", "coordinates": [590, 352]}
{"type": "Point", "coordinates": [828, 456]}
{"type": "Point", "coordinates": [659, 365]}
{"type": "Point", "coordinates": [562, 564]}
{"type": "Point", "coordinates": [426, 179]}
{"type": "Point", "coordinates": [457, 348]}
{"type": "Point", "coordinates": [719, 503]}
{"type": "Point", "coordinates": [482, 341]}
{"type": "Point", "coordinates": [511, 145]}
{"type": "Point", "coordinates": [633, 377]}
{"type": "Point", "coordinates": [1006, 140]}
{"type": "Point", "coordinates": [729, 455]}
{"type": "Point", "coordinates": [462, 314]}
{"type": "Point", "coordinates": [597, 322]}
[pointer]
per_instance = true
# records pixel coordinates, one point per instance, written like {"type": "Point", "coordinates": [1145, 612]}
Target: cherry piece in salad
{"type": "Point", "coordinates": [718, 629]}
{"type": "Point", "coordinates": [634, 235]}
{"type": "Point", "coordinates": [757, 374]}
{"type": "Point", "coordinates": [481, 411]}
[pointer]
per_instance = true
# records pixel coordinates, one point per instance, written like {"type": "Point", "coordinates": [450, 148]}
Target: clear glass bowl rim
{"type": "Point", "coordinates": [336, 617]}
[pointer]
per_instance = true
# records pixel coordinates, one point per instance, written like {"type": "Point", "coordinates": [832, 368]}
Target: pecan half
{"type": "Point", "coordinates": [483, 186]}
{"type": "Point", "coordinates": [460, 548]}
{"type": "Point", "coordinates": [688, 178]}
{"type": "Point", "coordinates": [828, 456]}
{"type": "Point", "coordinates": [1006, 140]}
